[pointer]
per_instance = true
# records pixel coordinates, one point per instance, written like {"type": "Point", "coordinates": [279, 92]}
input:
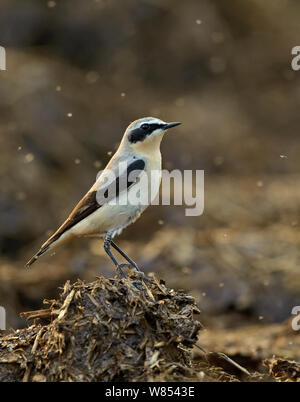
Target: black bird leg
{"type": "Point", "coordinates": [131, 262]}
{"type": "Point", "coordinates": [123, 254]}
{"type": "Point", "coordinates": [107, 244]}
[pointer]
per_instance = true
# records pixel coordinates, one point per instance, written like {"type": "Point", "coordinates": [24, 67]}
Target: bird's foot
{"type": "Point", "coordinates": [139, 273]}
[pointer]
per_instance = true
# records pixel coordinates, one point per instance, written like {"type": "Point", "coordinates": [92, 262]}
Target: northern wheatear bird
{"type": "Point", "coordinates": [99, 214]}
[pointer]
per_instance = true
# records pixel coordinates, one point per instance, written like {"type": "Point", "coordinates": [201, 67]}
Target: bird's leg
{"type": "Point", "coordinates": [127, 258]}
{"type": "Point", "coordinates": [107, 244]}
{"type": "Point", "coordinates": [131, 262]}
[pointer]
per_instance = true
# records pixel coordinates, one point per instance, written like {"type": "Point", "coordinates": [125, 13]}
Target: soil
{"type": "Point", "coordinates": [132, 330]}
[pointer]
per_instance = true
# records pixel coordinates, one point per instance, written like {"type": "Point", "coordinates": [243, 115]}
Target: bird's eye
{"type": "Point", "coordinates": [145, 126]}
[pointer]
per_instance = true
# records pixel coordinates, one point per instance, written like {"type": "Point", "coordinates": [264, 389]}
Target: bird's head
{"type": "Point", "coordinates": [147, 132]}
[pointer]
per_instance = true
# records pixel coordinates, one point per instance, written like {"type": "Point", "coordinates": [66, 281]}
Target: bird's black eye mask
{"type": "Point", "coordinates": [139, 134]}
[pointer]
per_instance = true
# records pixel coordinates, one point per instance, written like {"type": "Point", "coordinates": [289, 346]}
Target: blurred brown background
{"type": "Point", "coordinates": [79, 71]}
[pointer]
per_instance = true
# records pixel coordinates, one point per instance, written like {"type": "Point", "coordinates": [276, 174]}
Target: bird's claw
{"type": "Point", "coordinates": [137, 270]}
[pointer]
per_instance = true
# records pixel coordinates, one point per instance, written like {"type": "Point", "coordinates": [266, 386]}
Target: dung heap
{"type": "Point", "coordinates": [107, 330]}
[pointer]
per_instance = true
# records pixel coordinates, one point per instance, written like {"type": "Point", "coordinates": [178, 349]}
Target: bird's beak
{"type": "Point", "coordinates": [170, 125]}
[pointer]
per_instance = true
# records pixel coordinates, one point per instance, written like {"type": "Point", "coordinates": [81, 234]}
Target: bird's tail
{"type": "Point", "coordinates": [45, 247]}
{"type": "Point", "coordinates": [36, 256]}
